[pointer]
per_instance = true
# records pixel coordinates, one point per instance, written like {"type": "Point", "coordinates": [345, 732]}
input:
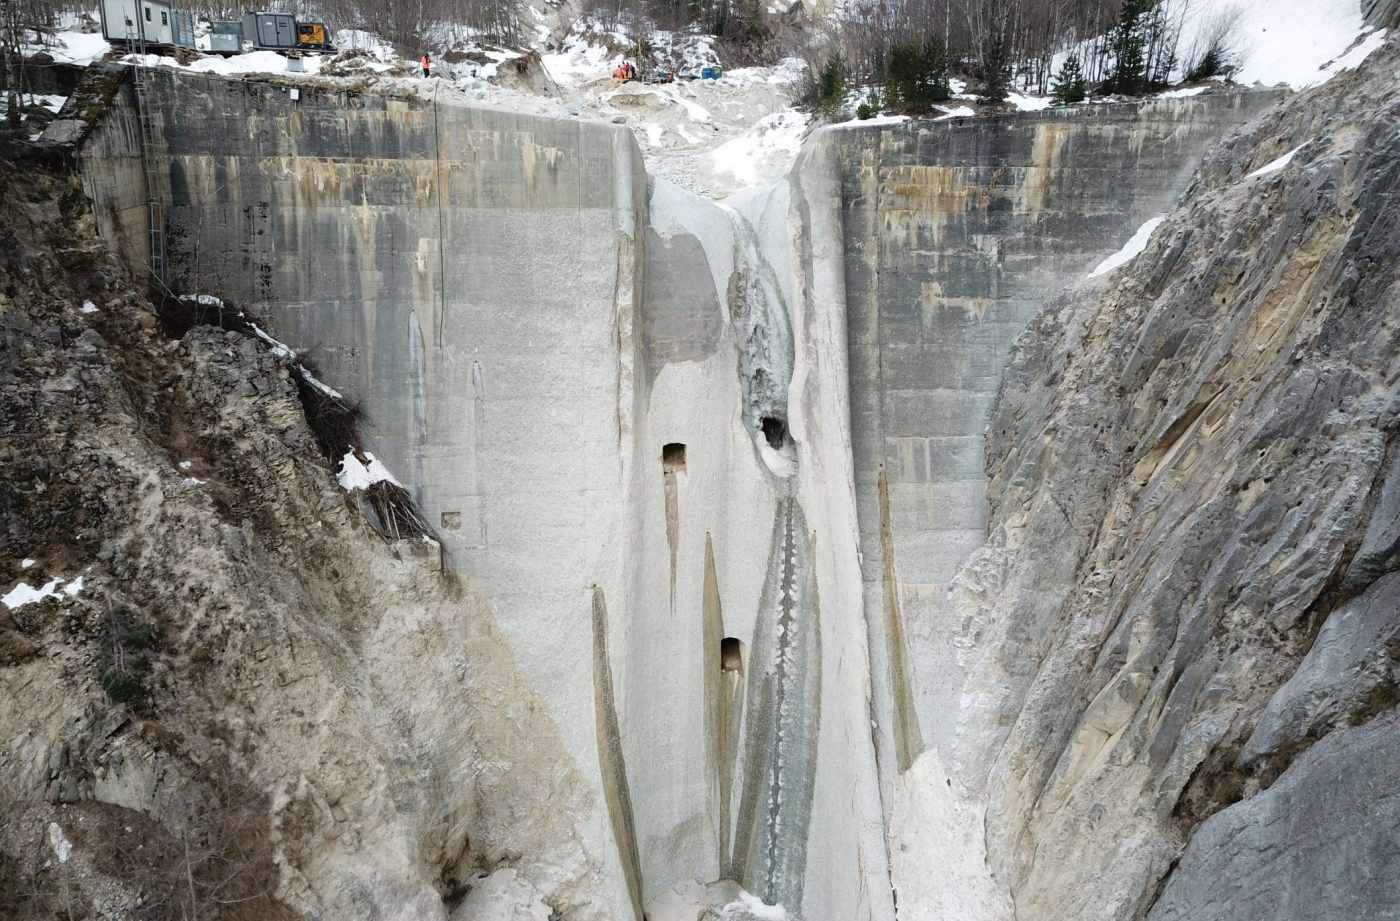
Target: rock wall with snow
{"type": "Point", "coordinates": [712, 468]}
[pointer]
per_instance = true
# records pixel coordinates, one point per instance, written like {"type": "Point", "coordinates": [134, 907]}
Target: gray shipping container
{"type": "Point", "coordinates": [182, 28]}
{"type": "Point", "coordinates": [270, 30]}
{"type": "Point", "coordinates": [226, 37]}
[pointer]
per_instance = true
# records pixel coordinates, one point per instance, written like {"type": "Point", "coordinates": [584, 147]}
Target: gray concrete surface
{"type": "Point", "coordinates": [955, 234]}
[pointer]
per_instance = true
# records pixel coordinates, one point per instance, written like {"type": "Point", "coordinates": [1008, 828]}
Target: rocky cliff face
{"type": "Point", "coordinates": [1181, 635]}
{"type": "Point", "coordinates": [235, 700]}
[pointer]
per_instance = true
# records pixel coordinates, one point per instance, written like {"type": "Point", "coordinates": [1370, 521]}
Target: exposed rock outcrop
{"type": "Point", "coordinates": [237, 701]}
{"type": "Point", "coordinates": [1183, 624]}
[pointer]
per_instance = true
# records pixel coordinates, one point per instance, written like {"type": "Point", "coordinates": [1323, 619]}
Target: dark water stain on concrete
{"type": "Point", "coordinates": [611, 764]}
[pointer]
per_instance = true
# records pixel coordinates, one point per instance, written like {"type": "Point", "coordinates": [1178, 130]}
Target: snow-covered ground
{"type": "Point", "coordinates": [1298, 43]}
{"type": "Point", "coordinates": [1281, 41]}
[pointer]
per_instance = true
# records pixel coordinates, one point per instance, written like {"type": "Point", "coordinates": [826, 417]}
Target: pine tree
{"type": "Point", "coordinates": [935, 71]}
{"type": "Point", "coordinates": [902, 76]}
{"type": "Point", "coordinates": [916, 77]}
{"type": "Point", "coordinates": [1130, 43]}
{"type": "Point", "coordinates": [994, 67]}
{"type": "Point", "coordinates": [1069, 85]}
{"type": "Point", "coordinates": [831, 86]}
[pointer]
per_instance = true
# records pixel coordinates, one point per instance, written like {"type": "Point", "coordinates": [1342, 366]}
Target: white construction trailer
{"type": "Point", "coordinates": [158, 22]}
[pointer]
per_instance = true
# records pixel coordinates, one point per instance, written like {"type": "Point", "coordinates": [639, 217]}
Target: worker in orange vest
{"type": "Point", "coordinates": [427, 63]}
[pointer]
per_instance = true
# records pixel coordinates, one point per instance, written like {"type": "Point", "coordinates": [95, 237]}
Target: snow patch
{"type": "Point", "coordinates": [959, 112]}
{"type": "Point", "coordinates": [356, 474]}
{"type": "Point", "coordinates": [1131, 250]}
{"type": "Point", "coordinates": [24, 593]}
{"type": "Point", "coordinates": [26, 563]}
{"type": "Point", "coordinates": [1182, 94]}
{"type": "Point", "coordinates": [873, 122]}
{"type": "Point", "coordinates": [765, 152]}
{"type": "Point", "coordinates": [1276, 165]}
{"type": "Point", "coordinates": [75, 47]}
{"type": "Point", "coordinates": [88, 307]}
{"type": "Point", "coordinates": [1354, 58]}
{"type": "Point", "coordinates": [724, 900]}
{"type": "Point", "coordinates": [59, 843]}
{"type": "Point", "coordinates": [279, 349]}
{"type": "Point", "coordinates": [935, 826]}
{"type": "Point", "coordinates": [1025, 103]}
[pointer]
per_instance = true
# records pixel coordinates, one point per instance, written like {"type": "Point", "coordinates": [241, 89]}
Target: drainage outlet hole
{"type": "Point", "coordinates": [731, 655]}
{"type": "Point", "coordinates": [673, 456]}
{"type": "Point", "coordinates": [775, 431]}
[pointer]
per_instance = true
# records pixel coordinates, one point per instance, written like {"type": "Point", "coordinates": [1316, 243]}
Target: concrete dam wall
{"type": "Point", "coordinates": [714, 465]}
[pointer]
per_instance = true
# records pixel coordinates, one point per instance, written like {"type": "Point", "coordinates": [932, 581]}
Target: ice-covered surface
{"type": "Point", "coordinates": [354, 473]}
{"type": "Point", "coordinates": [1275, 165]}
{"type": "Point", "coordinates": [1131, 250]}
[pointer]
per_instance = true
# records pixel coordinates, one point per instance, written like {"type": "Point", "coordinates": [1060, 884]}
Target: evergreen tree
{"type": "Point", "coordinates": [902, 76]}
{"type": "Point", "coordinates": [1130, 46]}
{"type": "Point", "coordinates": [916, 77]}
{"type": "Point", "coordinates": [831, 87]}
{"type": "Point", "coordinates": [1069, 85]}
{"type": "Point", "coordinates": [935, 71]}
{"type": "Point", "coordinates": [994, 66]}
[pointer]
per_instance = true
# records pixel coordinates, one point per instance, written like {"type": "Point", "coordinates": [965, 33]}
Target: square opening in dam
{"type": "Point", "coordinates": [673, 456]}
{"type": "Point", "coordinates": [731, 655]}
{"type": "Point", "coordinates": [774, 431]}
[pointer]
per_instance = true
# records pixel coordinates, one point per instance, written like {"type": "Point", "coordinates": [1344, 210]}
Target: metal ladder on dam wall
{"type": "Point", "coordinates": [152, 153]}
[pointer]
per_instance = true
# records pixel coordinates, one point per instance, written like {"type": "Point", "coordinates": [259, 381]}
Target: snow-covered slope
{"type": "Point", "coordinates": [1298, 42]}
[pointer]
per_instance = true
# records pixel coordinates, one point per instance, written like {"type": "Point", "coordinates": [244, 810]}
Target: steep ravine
{"type": "Point", "coordinates": [1181, 636]}
{"type": "Point", "coordinates": [650, 675]}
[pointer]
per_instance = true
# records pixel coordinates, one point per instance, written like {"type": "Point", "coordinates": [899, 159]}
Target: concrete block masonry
{"type": "Point", "coordinates": [529, 322]}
